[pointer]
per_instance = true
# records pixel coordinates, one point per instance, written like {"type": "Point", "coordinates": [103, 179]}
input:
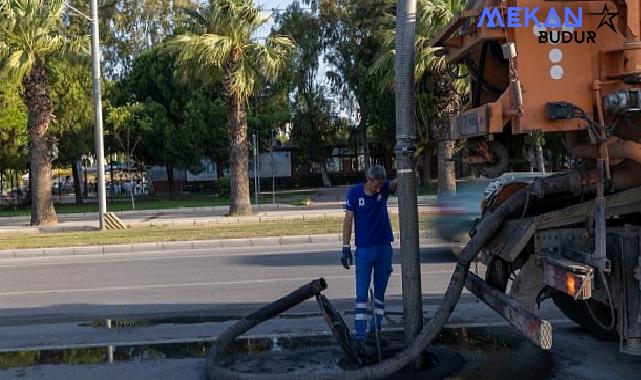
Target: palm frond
{"type": "Point", "coordinates": [383, 68]}
{"type": "Point", "coordinates": [223, 43]}
{"type": "Point", "coordinates": [272, 56]}
{"type": "Point", "coordinates": [242, 81]}
{"type": "Point", "coordinates": [32, 31]}
{"type": "Point", "coordinates": [16, 65]}
{"type": "Point", "coordinates": [208, 50]}
{"type": "Point", "coordinates": [432, 16]}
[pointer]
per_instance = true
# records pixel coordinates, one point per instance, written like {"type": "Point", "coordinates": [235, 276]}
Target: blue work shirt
{"type": "Point", "coordinates": [371, 223]}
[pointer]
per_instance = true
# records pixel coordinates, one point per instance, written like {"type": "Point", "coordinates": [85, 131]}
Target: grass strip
{"type": "Point", "coordinates": [285, 227]}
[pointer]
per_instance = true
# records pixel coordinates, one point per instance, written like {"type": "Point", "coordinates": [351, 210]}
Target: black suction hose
{"type": "Point", "coordinates": [215, 363]}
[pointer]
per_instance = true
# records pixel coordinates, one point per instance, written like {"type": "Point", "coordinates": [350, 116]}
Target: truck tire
{"type": "Point", "coordinates": [498, 273]}
{"type": "Point", "coordinates": [577, 311]}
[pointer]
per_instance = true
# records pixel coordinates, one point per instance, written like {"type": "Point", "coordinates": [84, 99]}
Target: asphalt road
{"type": "Point", "coordinates": [36, 292]}
{"type": "Point", "coordinates": [226, 282]}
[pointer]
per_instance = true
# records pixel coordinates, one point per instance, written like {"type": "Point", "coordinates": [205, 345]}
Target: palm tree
{"type": "Point", "coordinates": [432, 16]}
{"type": "Point", "coordinates": [222, 45]}
{"type": "Point", "coordinates": [31, 38]}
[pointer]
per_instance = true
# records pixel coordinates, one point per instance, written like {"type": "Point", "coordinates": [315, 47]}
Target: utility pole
{"type": "Point", "coordinates": [97, 105]}
{"type": "Point", "coordinates": [255, 168]}
{"type": "Point", "coordinates": [405, 149]}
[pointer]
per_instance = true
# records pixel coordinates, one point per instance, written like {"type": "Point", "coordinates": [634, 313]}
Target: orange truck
{"type": "Point", "coordinates": [562, 76]}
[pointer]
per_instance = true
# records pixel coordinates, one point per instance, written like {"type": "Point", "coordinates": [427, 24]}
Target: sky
{"type": "Point", "coordinates": [273, 3]}
{"type": "Point", "coordinates": [267, 6]}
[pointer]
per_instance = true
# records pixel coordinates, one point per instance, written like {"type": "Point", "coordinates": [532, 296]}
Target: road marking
{"type": "Point", "coordinates": [192, 284]}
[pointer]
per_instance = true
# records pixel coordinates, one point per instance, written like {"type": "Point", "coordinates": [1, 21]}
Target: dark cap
{"type": "Point", "coordinates": [376, 172]}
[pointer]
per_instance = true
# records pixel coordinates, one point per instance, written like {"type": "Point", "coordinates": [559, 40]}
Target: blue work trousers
{"type": "Point", "coordinates": [376, 259]}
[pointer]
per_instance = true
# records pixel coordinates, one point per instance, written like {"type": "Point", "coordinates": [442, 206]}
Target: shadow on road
{"type": "Point", "coordinates": [433, 255]}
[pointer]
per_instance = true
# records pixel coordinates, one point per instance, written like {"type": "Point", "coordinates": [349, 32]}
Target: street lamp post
{"type": "Point", "coordinates": [97, 101]}
{"type": "Point", "coordinates": [97, 105]}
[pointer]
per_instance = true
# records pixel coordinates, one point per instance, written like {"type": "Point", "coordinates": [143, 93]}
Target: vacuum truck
{"type": "Point", "coordinates": [558, 82]}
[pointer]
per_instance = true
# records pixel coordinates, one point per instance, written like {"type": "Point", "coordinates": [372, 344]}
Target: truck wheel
{"type": "Point", "coordinates": [577, 311]}
{"type": "Point", "coordinates": [498, 273]}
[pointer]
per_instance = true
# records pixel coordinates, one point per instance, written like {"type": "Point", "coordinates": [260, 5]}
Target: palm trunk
{"type": "Point", "coordinates": [239, 203]}
{"type": "Point", "coordinates": [446, 169]}
{"type": "Point", "coordinates": [38, 102]}
{"type": "Point", "coordinates": [446, 103]}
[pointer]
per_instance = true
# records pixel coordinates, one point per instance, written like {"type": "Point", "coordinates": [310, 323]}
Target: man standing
{"type": "Point", "coordinates": [366, 206]}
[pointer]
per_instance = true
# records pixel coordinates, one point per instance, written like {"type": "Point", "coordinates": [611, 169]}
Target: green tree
{"type": "Point", "coordinates": [71, 95]}
{"type": "Point", "coordinates": [179, 123]}
{"type": "Point", "coordinates": [270, 111]}
{"type": "Point", "coordinates": [221, 47]}
{"type": "Point", "coordinates": [349, 31]}
{"type": "Point", "coordinates": [127, 126]}
{"type": "Point", "coordinates": [129, 27]}
{"type": "Point", "coordinates": [433, 70]}
{"type": "Point", "coordinates": [13, 131]}
{"type": "Point", "coordinates": [314, 126]}
{"type": "Point", "coordinates": [32, 37]}
{"type": "Point", "coordinates": [445, 86]}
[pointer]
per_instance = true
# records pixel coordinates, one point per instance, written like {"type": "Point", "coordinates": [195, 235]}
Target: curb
{"type": "Point", "coordinates": [232, 220]}
{"type": "Point", "coordinates": [191, 221]}
{"type": "Point", "coordinates": [273, 241]}
{"type": "Point", "coordinates": [170, 211]}
{"type": "Point", "coordinates": [22, 221]}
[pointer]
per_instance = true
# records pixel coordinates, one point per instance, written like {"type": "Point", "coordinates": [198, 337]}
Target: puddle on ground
{"type": "Point", "coordinates": [129, 323]}
{"type": "Point", "coordinates": [464, 353]}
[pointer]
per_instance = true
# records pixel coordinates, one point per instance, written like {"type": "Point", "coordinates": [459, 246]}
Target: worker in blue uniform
{"type": "Point", "coordinates": [366, 208]}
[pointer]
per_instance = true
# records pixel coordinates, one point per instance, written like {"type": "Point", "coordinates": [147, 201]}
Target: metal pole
{"type": "Point", "coordinates": [273, 180]}
{"type": "Point", "coordinates": [255, 169]}
{"type": "Point", "coordinates": [110, 348]}
{"type": "Point", "coordinates": [97, 103]}
{"type": "Point", "coordinates": [111, 176]}
{"type": "Point", "coordinates": [405, 149]}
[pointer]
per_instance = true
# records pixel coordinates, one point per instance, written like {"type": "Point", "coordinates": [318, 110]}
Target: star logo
{"type": "Point", "coordinates": [607, 19]}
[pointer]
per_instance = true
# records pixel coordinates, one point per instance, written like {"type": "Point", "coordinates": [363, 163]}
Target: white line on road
{"type": "Point", "coordinates": [192, 284]}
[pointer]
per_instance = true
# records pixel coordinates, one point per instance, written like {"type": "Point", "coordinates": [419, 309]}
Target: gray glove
{"type": "Point", "coordinates": [346, 260]}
